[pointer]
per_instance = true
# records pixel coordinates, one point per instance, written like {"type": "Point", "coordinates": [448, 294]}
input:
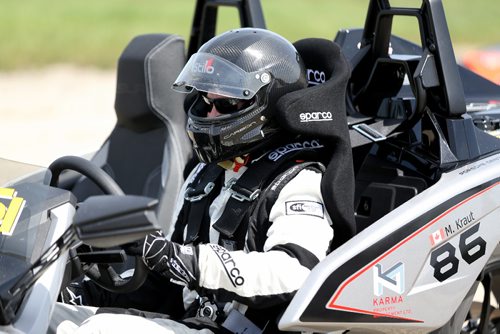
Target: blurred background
{"type": "Point", "coordinates": [58, 57]}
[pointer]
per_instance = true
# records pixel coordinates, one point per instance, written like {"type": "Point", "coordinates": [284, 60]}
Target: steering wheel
{"type": "Point", "coordinates": [102, 274]}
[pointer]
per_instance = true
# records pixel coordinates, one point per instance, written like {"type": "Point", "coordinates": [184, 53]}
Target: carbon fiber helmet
{"type": "Point", "coordinates": [253, 66]}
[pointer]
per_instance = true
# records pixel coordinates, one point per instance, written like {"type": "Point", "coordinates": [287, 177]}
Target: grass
{"type": "Point", "coordinates": [34, 33]}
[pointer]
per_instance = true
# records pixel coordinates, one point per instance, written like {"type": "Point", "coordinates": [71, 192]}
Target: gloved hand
{"type": "Point", "coordinates": [74, 294]}
{"type": "Point", "coordinates": [169, 259]}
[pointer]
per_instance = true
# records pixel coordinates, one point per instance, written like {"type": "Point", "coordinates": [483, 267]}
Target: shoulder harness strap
{"type": "Point", "coordinates": [259, 216]}
{"type": "Point", "coordinates": [197, 198]}
{"type": "Point", "coordinates": [248, 187]}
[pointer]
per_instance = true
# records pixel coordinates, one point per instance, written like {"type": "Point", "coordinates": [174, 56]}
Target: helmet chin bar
{"type": "Point", "coordinates": [228, 136]}
{"type": "Point", "coordinates": [212, 148]}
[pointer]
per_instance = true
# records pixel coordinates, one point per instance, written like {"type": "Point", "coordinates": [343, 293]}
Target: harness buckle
{"type": "Point", "coordinates": [208, 309]}
{"type": "Point", "coordinates": [196, 197]}
{"type": "Point", "coordinates": [239, 193]}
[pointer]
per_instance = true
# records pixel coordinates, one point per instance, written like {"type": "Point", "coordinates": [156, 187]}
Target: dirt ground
{"type": "Point", "coordinates": [59, 110]}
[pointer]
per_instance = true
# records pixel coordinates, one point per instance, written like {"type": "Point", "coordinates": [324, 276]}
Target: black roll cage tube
{"type": "Point", "coordinates": [205, 19]}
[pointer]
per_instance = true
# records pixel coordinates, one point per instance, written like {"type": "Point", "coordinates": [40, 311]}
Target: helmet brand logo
{"type": "Point", "coordinates": [315, 77]}
{"type": "Point", "coordinates": [318, 116]}
{"type": "Point", "coordinates": [237, 131]}
{"type": "Point", "coordinates": [205, 67]}
{"type": "Point", "coordinates": [283, 150]}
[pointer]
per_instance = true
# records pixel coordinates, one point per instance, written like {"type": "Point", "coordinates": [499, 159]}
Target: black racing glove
{"type": "Point", "coordinates": [169, 259]}
{"type": "Point", "coordinates": [75, 294]}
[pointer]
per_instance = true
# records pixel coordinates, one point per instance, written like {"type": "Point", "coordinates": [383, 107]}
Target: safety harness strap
{"type": "Point", "coordinates": [258, 220]}
{"type": "Point", "coordinates": [198, 196]}
{"type": "Point", "coordinates": [246, 190]}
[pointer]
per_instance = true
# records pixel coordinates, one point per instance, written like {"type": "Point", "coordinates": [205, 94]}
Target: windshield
{"type": "Point", "coordinates": [25, 224]}
{"type": "Point", "coordinates": [11, 171]}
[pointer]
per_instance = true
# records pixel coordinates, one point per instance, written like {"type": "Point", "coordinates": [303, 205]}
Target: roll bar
{"type": "Point", "coordinates": [205, 19]}
{"type": "Point", "coordinates": [436, 44]}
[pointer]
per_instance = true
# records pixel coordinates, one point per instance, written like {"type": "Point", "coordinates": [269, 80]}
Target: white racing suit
{"type": "Point", "coordinates": [237, 283]}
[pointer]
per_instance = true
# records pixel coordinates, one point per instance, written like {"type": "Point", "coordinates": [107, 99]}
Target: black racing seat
{"type": "Point", "coordinates": [328, 72]}
{"type": "Point", "coordinates": [148, 148]}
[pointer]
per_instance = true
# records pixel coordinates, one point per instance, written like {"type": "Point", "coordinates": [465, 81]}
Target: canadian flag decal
{"type": "Point", "coordinates": [437, 237]}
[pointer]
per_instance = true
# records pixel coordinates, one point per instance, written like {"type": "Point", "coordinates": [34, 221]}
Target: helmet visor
{"type": "Point", "coordinates": [206, 72]}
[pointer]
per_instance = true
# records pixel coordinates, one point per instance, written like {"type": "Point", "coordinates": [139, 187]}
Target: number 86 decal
{"type": "Point", "coordinates": [470, 250]}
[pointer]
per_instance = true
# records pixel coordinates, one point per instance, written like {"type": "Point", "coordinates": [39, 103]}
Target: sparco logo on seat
{"type": "Point", "coordinates": [281, 151]}
{"type": "Point", "coordinates": [318, 116]}
{"type": "Point", "coordinates": [315, 77]}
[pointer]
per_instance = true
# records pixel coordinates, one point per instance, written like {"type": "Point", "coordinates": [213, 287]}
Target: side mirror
{"type": "Point", "coordinates": [107, 221]}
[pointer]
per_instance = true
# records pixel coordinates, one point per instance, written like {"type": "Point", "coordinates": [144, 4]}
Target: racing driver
{"type": "Point", "coordinates": [250, 222]}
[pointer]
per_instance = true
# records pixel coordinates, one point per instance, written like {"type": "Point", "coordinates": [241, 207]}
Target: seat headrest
{"type": "Point", "coordinates": [133, 105]}
{"type": "Point", "coordinates": [163, 65]}
{"type": "Point", "coordinates": [318, 110]}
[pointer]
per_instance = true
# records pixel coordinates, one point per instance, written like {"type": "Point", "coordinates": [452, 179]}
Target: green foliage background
{"type": "Point", "coordinates": [35, 33]}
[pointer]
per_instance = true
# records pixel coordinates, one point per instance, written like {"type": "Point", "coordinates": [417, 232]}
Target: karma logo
{"type": "Point", "coordinates": [393, 279]}
{"type": "Point", "coordinates": [11, 207]}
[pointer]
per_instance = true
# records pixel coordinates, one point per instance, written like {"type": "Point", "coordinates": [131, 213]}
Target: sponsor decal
{"type": "Point", "coordinates": [308, 208]}
{"type": "Point", "coordinates": [179, 269]}
{"type": "Point", "coordinates": [392, 279]}
{"type": "Point", "coordinates": [283, 150]}
{"type": "Point", "coordinates": [445, 232]}
{"type": "Point", "coordinates": [315, 77]}
{"type": "Point", "coordinates": [283, 177]}
{"type": "Point", "coordinates": [206, 67]}
{"type": "Point", "coordinates": [11, 208]}
{"type": "Point", "coordinates": [229, 264]}
{"type": "Point", "coordinates": [445, 260]}
{"type": "Point", "coordinates": [391, 309]}
{"type": "Point", "coordinates": [317, 116]}
{"type": "Point", "coordinates": [437, 237]}
{"type": "Point", "coordinates": [239, 130]}
{"type": "Point", "coordinates": [478, 165]}
{"type": "Point", "coordinates": [464, 221]}
{"type": "Point", "coordinates": [385, 301]}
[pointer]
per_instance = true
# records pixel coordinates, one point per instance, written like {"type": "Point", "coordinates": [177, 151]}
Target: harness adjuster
{"type": "Point", "coordinates": [239, 193]}
{"type": "Point", "coordinates": [191, 195]}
